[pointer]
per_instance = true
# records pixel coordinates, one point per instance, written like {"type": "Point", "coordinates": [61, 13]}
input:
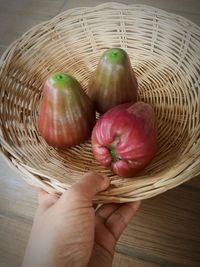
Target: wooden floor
{"type": "Point", "coordinates": [166, 231]}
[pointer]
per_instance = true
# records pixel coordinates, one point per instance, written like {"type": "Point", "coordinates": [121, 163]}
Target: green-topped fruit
{"type": "Point", "coordinates": [60, 80]}
{"type": "Point", "coordinates": [113, 81]}
{"type": "Point", "coordinates": [66, 115]}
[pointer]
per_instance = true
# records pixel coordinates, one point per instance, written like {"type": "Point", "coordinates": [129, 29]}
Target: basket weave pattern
{"type": "Point", "coordinates": [165, 53]}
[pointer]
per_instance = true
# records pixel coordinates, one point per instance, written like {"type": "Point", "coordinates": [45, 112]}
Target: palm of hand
{"type": "Point", "coordinates": [110, 221]}
{"type": "Point", "coordinates": [94, 234]}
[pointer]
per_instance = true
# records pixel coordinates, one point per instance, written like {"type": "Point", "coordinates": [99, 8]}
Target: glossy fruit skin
{"type": "Point", "coordinates": [125, 138]}
{"type": "Point", "coordinates": [114, 81]}
{"type": "Point", "coordinates": [66, 115]}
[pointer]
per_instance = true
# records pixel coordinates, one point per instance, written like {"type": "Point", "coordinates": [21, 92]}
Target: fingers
{"type": "Point", "coordinates": [119, 219]}
{"type": "Point", "coordinates": [105, 211]}
{"type": "Point", "coordinates": [46, 200]}
{"type": "Point", "coordinates": [90, 185]}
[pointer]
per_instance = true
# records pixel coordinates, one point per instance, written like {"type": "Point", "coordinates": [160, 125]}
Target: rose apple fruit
{"type": "Point", "coordinates": [125, 138]}
{"type": "Point", "coordinates": [113, 82]}
{"type": "Point", "coordinates": [66, 115]}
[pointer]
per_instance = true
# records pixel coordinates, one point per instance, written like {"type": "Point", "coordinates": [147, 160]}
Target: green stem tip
{"type": "Point", "coordinates": [61, 78]}
{"type": "Point", "coordinates": [115, 55]}
{"type": "Point", "coordinates": [112, 148]}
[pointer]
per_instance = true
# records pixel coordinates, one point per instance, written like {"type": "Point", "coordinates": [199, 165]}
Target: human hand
{"type": "Point", "coordinates": [67, 231]}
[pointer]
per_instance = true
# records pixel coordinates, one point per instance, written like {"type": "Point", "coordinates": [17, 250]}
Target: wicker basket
{"type": "Point", "coordinates": [165, 52]}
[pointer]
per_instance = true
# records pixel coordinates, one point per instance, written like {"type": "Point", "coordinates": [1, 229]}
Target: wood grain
{"type": "Point", "coordinates": [121, 260]}
{"type": "Point", "coordinates": [41, 9]}
{"type": "Point", "coordinates": [193, 184]}
{"type": "Point", "coordinates": [190, 6]}
{"type": "Point", "coordinates": [186, 8]}
{"type": "Point", "coordinates": [165, 237]}
{"type": "Point", "coordinates": [16, 242]}
{"type": "Point", "coordinates": [159, 235]}
{"type": "Point", "coordinates": [14, 235]}
{"type": "Point", "coordinates": [24, 15]}
{"type": "Point", "coordinates": [2, 49]}
{"type": "Point", "coordinates": [193, 17]}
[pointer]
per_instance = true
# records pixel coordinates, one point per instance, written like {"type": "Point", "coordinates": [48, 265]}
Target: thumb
{"type": "Point", "coordinates": [91, 184]}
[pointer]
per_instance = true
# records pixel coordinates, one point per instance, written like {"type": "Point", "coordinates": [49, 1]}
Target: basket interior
{"type": "Point", "coordinates": [163, 55]}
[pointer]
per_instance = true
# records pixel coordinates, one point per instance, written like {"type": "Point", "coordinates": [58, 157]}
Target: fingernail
{"type": "Point", "coordinates": [136, 204]}
{"type": "Point", "coordinates": [101, 176]}
{"type": "Point", "coordinates": [105, 181]}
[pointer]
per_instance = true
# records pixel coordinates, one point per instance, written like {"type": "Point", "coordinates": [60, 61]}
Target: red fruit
{"type": "Point", "coordinates": [66, 115]}
{"type": "Point", "coordinates": [125, 138]}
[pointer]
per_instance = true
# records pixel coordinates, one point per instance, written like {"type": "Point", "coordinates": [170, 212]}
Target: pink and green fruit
{"type": "Point", "coordinates": [125, 138]}
{"type": "Point", "coordinates": [66, 115]}
{"type": "Point", "coordinates": [113, 82]}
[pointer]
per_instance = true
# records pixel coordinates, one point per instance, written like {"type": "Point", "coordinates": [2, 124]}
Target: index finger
{"type": "Point", "coordinates": [91, 184]}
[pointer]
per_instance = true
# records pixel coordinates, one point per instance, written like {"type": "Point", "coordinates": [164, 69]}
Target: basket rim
{"type": "Point", "coordinates": [89, 8]}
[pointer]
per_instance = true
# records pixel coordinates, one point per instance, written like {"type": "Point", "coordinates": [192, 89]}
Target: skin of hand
{"type": "Point", "coordinates": [68, 231]}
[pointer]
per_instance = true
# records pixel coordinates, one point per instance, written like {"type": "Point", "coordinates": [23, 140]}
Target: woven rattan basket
{"type": "Point", "coordinates": [165, 53]}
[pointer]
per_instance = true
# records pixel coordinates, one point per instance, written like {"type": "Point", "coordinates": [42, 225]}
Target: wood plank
{"type": "Point", "coordinates": [8, 33]}
{"type": "Point", "coordinates": [194, 183]}
{"type": "Point", "coordinates": [14, 236]}
{"type": "Point", "coordinates": [43, 9]}
{"type": "Point", "coordinates": [160, 232]}
{"type": "Point", "coordinates": [188, 10]}
{"type": "Point", "coordinates": [188, 6]}
{"type": "Point", "coordinates": [2, 49]}
{"type": "Point", "coordinates": [193, 17]}
{"type": "Point", "coordinates": [121, 260]}
{"type": "Point", "coordinates": [20, 15]}
{"type": "Point", "coordinates": [17, 198]}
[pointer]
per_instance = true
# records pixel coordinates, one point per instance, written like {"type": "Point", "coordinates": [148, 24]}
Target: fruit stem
{"type": "Point", "coordinates": [61, 78]}
{"type": "Point", "coordinates": [112, 148]}
{"type": "Point", "coordinates": [115, 55]}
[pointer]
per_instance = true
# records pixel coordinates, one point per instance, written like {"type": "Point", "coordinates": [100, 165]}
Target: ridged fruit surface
{"type": "Point", "coordinates": [125, 138]}
{"type": "Point", "coordinates": [113, 82]}
{"type": "Point", "coordinates": [66, 115]}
